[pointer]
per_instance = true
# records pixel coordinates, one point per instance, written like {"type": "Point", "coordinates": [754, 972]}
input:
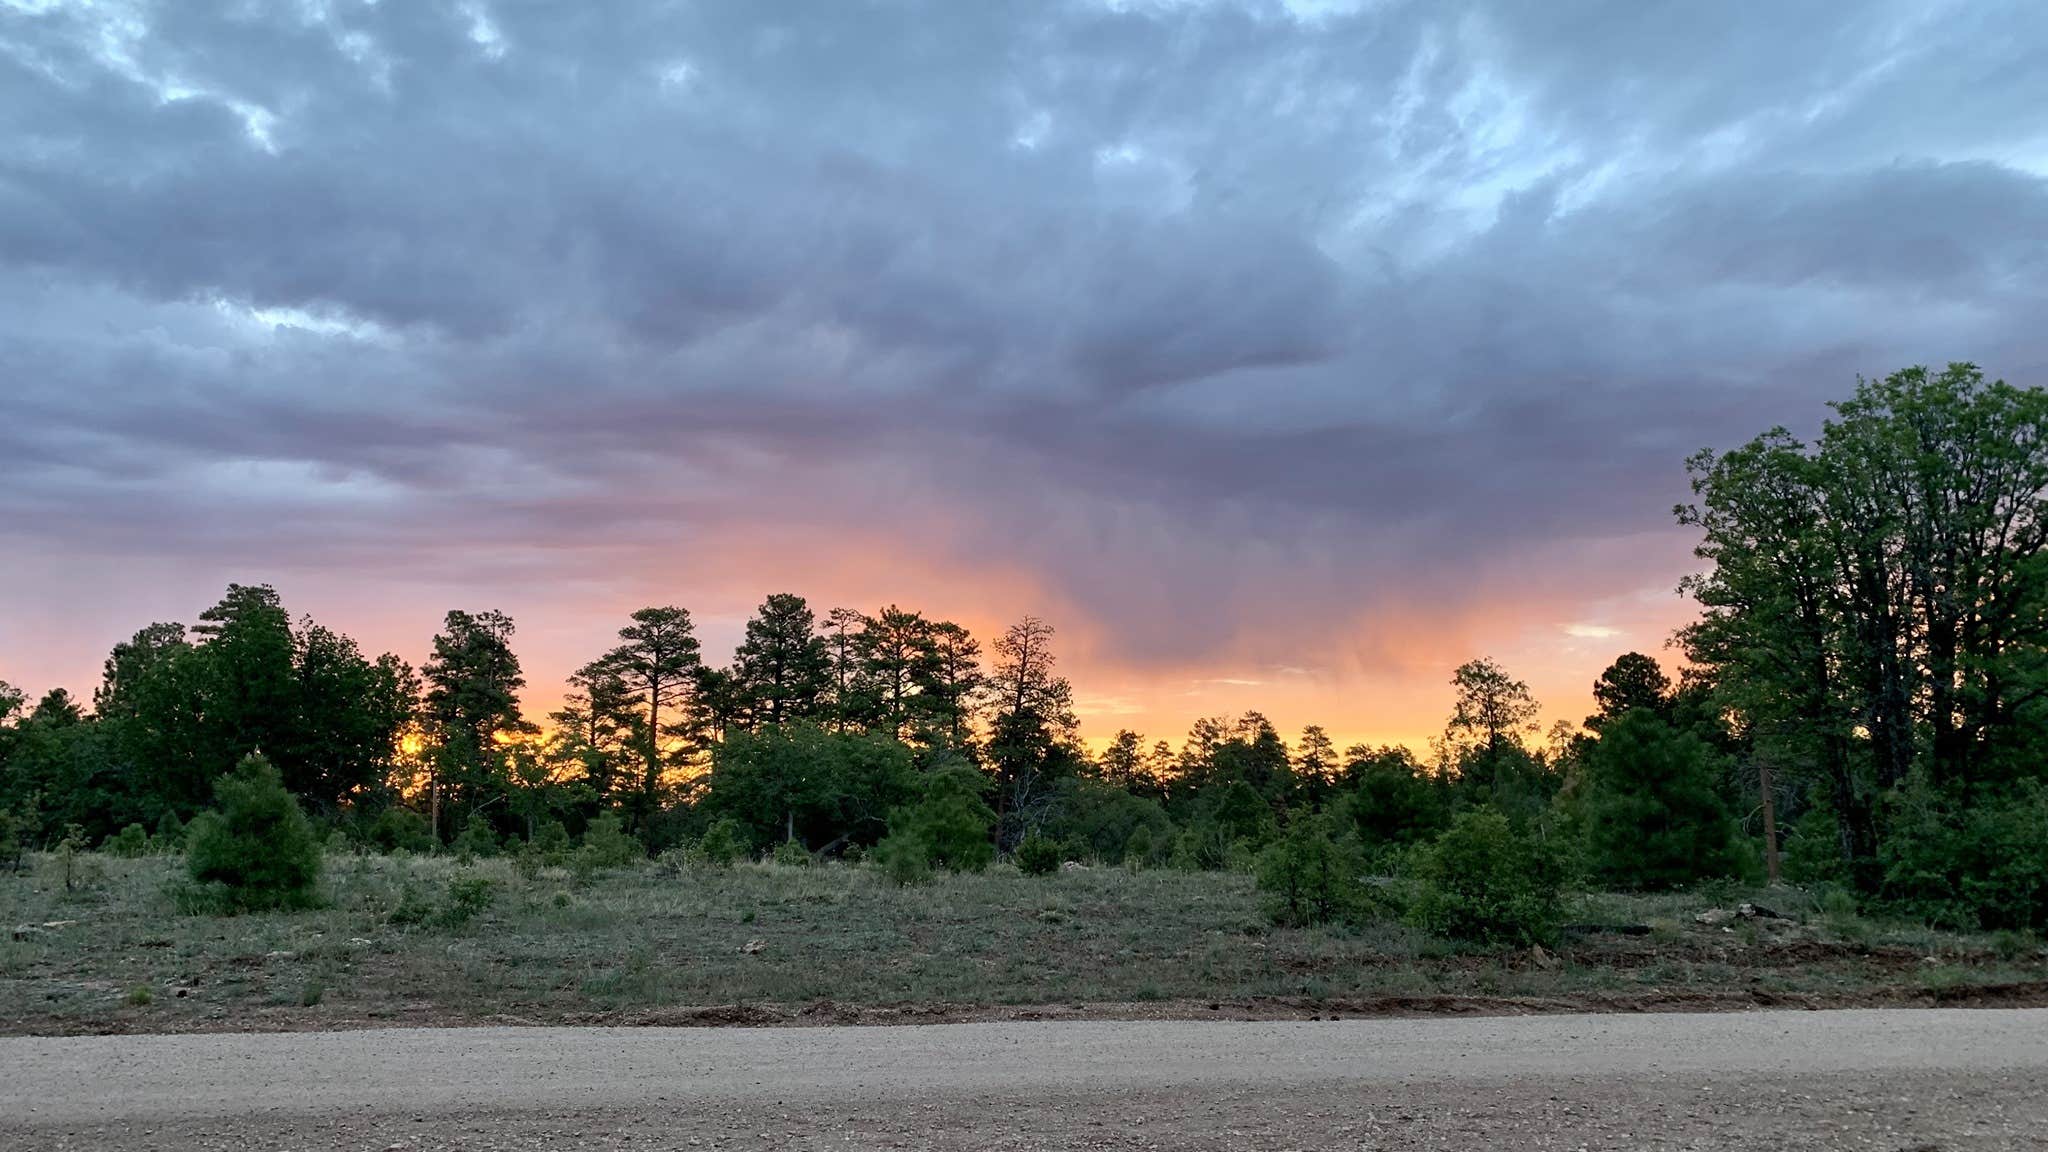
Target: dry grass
{"type": "Point", "coordinates": [762, 943]}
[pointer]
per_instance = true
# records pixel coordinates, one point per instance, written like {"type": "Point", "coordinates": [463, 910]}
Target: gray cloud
{"type": "Point", "coordinates": [1178, 305]}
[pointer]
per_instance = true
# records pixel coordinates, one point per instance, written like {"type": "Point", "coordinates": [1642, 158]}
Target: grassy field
{"type": "Point", "coordinates": [397, 944]}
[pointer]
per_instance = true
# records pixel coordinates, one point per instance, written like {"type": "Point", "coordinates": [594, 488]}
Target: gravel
{"type": "Point", "coordinates": [1899, 1080]}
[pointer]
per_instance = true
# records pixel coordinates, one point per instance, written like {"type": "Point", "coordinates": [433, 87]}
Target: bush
{"type": "Point", "coordinates": [412, 908]}
{"type": "Point", "coordinates": [904, 858]}
{"type": "Point", "coordinates": [1206, 846]}
{"type": "Point", "coordinates": [130, 842]}
{"type": "Point", "coordinates": [1651, 812]}
{"type": "Point", "coordinates": [255, 849]}
{"type": "Point", "coordinates": [724, 843]}
{"type": "Point", "coordinates": [948, 829]}
{"type": "Point", "coordinates": [606, 844]}
{"type": "Point", "coordinates": [170, 835]}
{"type": "Point", "coordinates": [402, 830]}
{"type": "Point", "coordinates": [1141, 850]}
{"type": "Point", "coordinates": [14, 836]}
{"type": "Point", "coordinates": [791, 854]}
{"type": "Point", "coordinates": [478, 840]}
{"type": "Point", "coordinates": [1811, 848]}
{"type": "Point", "coordinates": [550, 841]}
{"type": "Point", "coordinates": [468, 897]}
{"type": "Point", "coordinates": [1310, 878]}
{"type": "Point", "coordinates": [1037, 855]}
{"type": "Point", "coordinates": [77, 873]}
{"type": "Point", "coordinates": [1981, 865]}
{"type": "Point", "coordinates": [1096, 818]}
{"type": "Point", "coordinates": [1484, 883]}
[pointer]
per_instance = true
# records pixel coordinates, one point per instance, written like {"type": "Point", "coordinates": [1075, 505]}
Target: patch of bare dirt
{"type": "Point", "coordinates": [2028, 994]}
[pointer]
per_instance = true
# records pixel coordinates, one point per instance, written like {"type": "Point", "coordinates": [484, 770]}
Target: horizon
{"type": "Point", "coordinates": [1282, 356]}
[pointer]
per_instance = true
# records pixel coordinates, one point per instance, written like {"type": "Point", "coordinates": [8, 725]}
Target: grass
{"type": "Point", "coordinates": [429, 940]}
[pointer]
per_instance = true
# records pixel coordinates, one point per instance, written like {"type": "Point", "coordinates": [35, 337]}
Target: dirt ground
{"type": "Point", "coordinates": [1898, 1080]}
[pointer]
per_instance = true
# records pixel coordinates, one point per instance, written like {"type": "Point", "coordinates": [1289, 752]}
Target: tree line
{"type": "Point", "coordinates": [1862, 702]}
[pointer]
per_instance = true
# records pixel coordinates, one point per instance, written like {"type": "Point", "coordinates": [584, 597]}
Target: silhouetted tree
{"type": "Point", "coordinates": [782, 670]}
{"type": "Point", "coordinates": [659, 661]}
{"type": "Point", "coordinates": [1632, 681]}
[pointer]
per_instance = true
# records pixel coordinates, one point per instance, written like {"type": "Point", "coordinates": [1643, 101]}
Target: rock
{"type": "Point", "coordinates": [753, 946]}
{"type": "Point", "coordinates": [1759, 912]}
{"type": "Point", "coordinates": [358, 942]}
{"type": "Point", "coordinates": [1714, 917]}
{"type": "Point", "coordinates": [1073, 866]}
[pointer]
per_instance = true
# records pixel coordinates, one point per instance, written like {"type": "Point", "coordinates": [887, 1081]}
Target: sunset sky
{"type": "Point", "coordinates": [1282, 355]}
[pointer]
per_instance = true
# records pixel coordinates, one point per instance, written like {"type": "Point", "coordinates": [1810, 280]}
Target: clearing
{"type": "Point", "coordinates": [762, 943]}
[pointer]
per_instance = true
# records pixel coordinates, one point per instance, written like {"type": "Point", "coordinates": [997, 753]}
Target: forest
{"type": "Point", "coordinates": [1860, 705]}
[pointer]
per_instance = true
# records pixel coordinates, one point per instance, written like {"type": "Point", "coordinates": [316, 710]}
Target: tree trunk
{"type": "Point", "coordinates": [1770, 821]}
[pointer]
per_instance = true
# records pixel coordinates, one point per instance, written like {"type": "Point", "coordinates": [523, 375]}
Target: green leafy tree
{"type": "Point", "coordinates": [350, 713]}
{"type": "Point", "coordinates": [1650, 809]}
{"type": "Point", "coordinates": [1101, 817]}
{"type": "Point", "coordinates": [251, 694]}
{"type": "Point", "coordinates": [1875, 602]}
{"type": "Point", "coordinates": [1969, 862]}
{"type": "Point", "coordinates": [800, 782]}
{"type": "Point", "coordinates": [947, 829]}
{"type": "Point", "coordinates": [255, 847]}
{"type": "Point", "coordinates": [1486, 739]}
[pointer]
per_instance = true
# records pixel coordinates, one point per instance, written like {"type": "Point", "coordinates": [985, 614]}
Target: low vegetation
{"type": "Point", "coordinates": [434, 940]}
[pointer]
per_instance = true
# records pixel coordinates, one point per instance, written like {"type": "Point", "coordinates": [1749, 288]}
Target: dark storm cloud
{"type": "Point", "coordinates": [1175, 304]}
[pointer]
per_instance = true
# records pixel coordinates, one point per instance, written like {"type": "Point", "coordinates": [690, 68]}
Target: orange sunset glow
{"type": "Point", "coordinates": [1260, 410]}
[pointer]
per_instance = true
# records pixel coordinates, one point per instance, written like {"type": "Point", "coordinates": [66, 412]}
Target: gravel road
{"type": "Point", "coordinates": [1892, 1079]}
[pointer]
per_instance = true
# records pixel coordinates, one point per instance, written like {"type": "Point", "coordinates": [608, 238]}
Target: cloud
{"type": "Point", "coordinates": [1334, 336]}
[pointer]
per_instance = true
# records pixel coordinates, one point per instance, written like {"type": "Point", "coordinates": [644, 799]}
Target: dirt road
{"type": "Point", "coordinates": [1897, 1080]}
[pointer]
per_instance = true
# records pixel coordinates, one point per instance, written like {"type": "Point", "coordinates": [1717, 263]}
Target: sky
{"type": "Point", "coordinates": [1281, 355]}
